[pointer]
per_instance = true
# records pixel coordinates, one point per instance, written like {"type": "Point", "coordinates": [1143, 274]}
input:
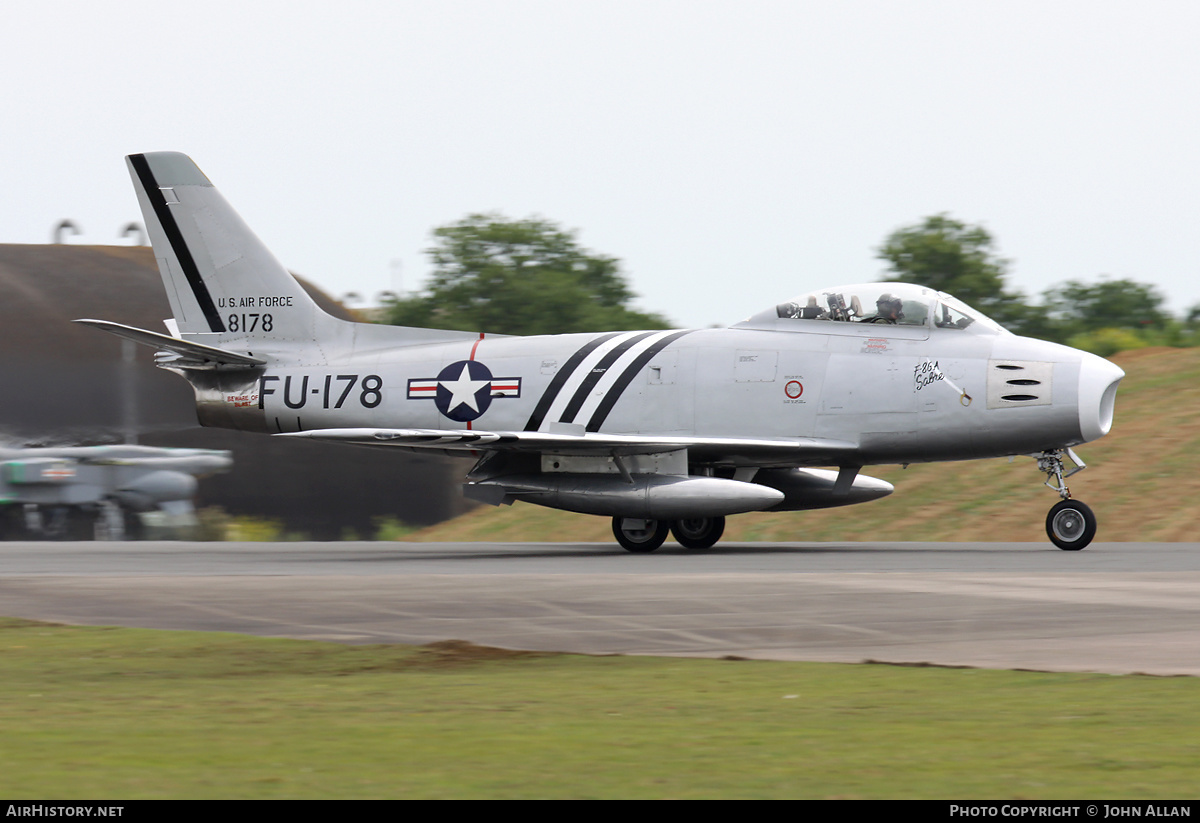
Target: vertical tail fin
{"type": "Point", "coordinates": [220, 278]}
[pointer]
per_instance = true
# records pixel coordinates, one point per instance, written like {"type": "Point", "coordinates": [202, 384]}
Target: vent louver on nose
{"type": "Point", "coordinates": [1032, 387]}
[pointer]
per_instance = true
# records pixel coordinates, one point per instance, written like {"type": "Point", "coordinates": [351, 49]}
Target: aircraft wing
{"type": "Point", "coordinates": [784, 451]}
{"type": "Point", "coordinates": [186, 354]}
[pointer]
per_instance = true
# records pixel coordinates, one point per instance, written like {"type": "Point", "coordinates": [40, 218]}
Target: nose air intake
{"type": "Point", "coordinates": [1098, 381]}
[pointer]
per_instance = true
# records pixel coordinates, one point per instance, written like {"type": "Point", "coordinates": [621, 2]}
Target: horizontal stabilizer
{"type": "Point", "coordinates": [187, 355]}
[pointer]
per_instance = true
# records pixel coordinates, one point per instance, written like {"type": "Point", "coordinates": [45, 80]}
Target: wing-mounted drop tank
{"type": "Point", "coordinates": [652, 486]}
{"type": "Point", "coordinates": [819, 488]}
{"type": "Point", "coordinates": [657, 486]}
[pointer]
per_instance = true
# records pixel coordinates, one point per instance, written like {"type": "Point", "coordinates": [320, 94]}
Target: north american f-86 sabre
{"type": "Point", "coordinates": [663, 431]}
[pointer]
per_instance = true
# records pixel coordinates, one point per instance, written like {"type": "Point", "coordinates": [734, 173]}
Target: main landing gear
{"type": "Point", "coordinates": [1070, 525]}
{"type": "Point", "coordinates": [644, 536]}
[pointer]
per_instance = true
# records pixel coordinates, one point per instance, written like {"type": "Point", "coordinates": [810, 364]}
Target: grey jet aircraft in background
{"type": "Point", "coordinates": [73, 492]}
{"type": "Point", "coordinates": [664, 431]}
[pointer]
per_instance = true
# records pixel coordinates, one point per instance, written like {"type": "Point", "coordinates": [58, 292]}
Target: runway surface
{"type": "Point", "coordinates": [1115, 607]}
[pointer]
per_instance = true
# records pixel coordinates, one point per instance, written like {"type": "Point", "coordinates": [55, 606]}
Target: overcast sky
{"type": "Point", "coordinates": [732, 154]}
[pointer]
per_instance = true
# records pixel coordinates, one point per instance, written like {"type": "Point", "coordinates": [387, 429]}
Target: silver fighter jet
{"type": "Point", "coordinates": [664, 431]}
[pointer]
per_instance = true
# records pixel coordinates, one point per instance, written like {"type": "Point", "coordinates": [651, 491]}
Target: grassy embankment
{"type": "Point", "coordinates": [1141, 480]}
{"type": "Point", "coordinates": [124, 713]}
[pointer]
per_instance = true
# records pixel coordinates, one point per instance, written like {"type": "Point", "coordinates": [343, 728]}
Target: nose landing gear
{"type": "Point", "coordinates": [1070, 525]}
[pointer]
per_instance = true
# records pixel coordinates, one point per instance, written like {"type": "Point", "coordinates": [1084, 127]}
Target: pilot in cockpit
{"type": "Point", "coordinates": [888, 309]}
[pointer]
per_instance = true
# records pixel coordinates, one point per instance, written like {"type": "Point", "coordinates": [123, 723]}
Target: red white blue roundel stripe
{"type": "Point", "coordinates": [464, 390]}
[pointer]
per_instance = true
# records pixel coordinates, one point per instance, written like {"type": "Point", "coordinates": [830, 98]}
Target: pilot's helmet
{"type": "Point", "coordinates": [889, 305]}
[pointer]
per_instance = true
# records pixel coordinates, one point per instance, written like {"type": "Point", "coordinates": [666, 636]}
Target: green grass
{"type": "Point", "coordinates": [126, 713]}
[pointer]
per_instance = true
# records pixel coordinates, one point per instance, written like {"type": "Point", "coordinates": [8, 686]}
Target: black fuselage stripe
{"type": "Point", "coordinates": [560, 380]}
{"type": "Point", "coordinates": [175, 237]}
{"type": "Point", "coordinates": [639, 363]}
{"type": "Point", "coordinates": [598, 371]}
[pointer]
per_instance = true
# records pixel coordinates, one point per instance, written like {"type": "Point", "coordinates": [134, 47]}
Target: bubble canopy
{"type": "Point", "coordinates": [877, 304]}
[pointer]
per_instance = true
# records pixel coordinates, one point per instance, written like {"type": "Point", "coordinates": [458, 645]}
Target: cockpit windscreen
{"type": "Point", "coordinates": [888, 304]}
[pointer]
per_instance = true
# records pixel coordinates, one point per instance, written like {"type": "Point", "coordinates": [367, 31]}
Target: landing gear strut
{"type": "Point", "coordinates": [1070, 525]}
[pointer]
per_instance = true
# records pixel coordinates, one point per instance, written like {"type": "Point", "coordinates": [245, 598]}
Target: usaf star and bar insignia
{"type": "Point", "coordinates": [464, 390]}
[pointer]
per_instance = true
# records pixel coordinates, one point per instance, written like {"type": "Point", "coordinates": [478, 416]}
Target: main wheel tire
{"type": "Point", "coordinates": [1071, 525]}
{"type": "Point", "coordinates": [698, 532]}
{"type": "Point", "coordinates": [641, 539]}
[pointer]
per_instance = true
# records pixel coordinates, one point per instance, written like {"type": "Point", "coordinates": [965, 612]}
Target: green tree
{"type": "Point", "coordinates": [1113, 315]}
{"type": "Point", "coordinates": [519, 277]}
{"type": "Point", "coordinates": [955, 257]}
{"type": "Point", "coordinates": [1103, 317]}
{"type": "Point", "coordinates": [1108, 304]}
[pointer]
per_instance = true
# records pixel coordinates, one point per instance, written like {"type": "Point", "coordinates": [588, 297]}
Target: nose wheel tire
{"type": "Point", "coordinates": [1071, 525]}
{"type": "Point", "coordinates": [698, 532]}
{"type": "Point", "coordinates": [640, 536]}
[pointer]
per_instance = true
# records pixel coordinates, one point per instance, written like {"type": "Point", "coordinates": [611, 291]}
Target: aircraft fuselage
{"type": "Point", "coordinates": [900, 394]}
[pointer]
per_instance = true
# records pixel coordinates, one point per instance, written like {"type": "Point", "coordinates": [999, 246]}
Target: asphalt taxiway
{"type": "Point", "coordinates": [1114, 607]}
